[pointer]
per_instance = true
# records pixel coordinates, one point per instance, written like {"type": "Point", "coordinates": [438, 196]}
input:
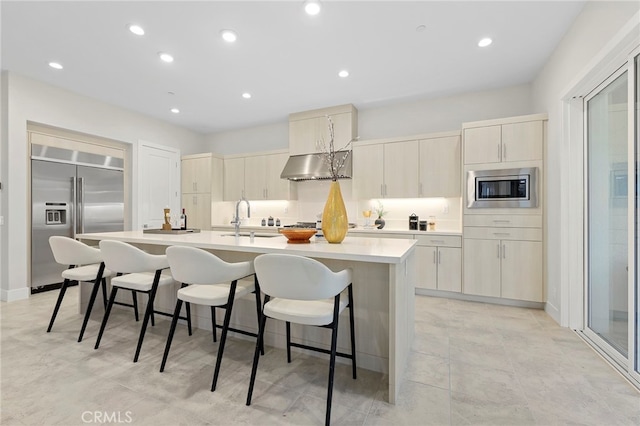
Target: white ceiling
{"type": "Point", "coordinates": [286, 59]}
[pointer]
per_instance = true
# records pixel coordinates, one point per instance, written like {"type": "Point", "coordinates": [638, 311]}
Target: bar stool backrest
{"type": "Point", "coordinates": [127, 259]}
{"type": "Point", "coordinates": [299, 278]}
{"type": "Point", "coordinates": [68, 251]}
{"type": "Point", "coordinates": [191, 265]}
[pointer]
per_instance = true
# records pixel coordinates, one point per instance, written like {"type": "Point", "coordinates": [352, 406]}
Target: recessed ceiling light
{"type": "Point", "coordinates": [55, 65]}
{"type": "Point", "coordinates": [312, 7]}
{"type": "Point", "coordinates": [229, 35]}
{"type": "Point", "coordinates": [421, 28]}
{"type": "Point", "coordinates": [246, 95]}
{"type": "Point", "coordinates": [343, 73]}
{"type": "Point", "coordinates": [175, 110]}
{"type": "Point", "coordinates": [485, 42]}
{"type": "Point", "coordinates": [136, 29]}
{"type": "Point", "coordinates": [165, 57]}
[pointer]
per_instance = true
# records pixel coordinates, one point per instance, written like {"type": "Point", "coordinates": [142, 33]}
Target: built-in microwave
{"type": "Point", "coordinates": [503, 188]}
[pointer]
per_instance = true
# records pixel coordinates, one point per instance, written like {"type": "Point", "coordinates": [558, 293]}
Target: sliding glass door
{"type": "Point", "coordinates": [612, 120]}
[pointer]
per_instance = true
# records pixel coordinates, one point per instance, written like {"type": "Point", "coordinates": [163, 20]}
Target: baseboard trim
{"type": "Point", "coordinates": [481, 299]}
{"type": "Point", "coordinates": [13, 295]}
{"type": "Point", "coordinates": [552, 311]}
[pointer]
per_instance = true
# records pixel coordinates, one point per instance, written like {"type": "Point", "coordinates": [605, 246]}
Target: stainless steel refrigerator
{"type": "Point", "coordinates": [68, 199]}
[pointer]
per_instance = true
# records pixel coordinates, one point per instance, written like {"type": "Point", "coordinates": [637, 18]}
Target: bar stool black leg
{"type": "Point", "coordinates": [135, 304]}
{"type": "Point", "coordinates": [332, 362]}
{"type": "Point", "coordinates": [188, 308]}
{"type": "Point", "coordinates": [213, 323]}
{"type": "Point", "coordinates": [104, 292]}
{"type": "Point", "coordinates": [256, 356]}
{"type": "Point", "coordinates": [288, 341]}
{"type": "Point", "coordinates": [174, 322]}
{"type": "Point", "coordinates": [258, 303]}
{"type": "Point", "coordinates": [114, 291]}
{"type": "Point", "coordinates": [223, 337]}
{"type": "Point", "coordinates": [353, 332]}
{"type": "Point", "coordinates": [148, 314]}
{"type": "Point", "coordinates": [94, 293]}
{"type": "Point", "coordinates": [63, 290]}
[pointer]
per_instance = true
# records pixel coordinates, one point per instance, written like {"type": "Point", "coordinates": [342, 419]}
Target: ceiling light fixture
{"type": "Point", "coordinates": [175, 110]}
{"type": "Point", "coordinates": [485, 42]}
{"type": "Point", "coordinates": [55, 65]}
{"type": "Point", "coordinates": [165, 57]}
{"type": "Point", "coordinates": [312, 7]}
{"type": "Point", "coordinates": [136, 29]}
{"type": "Point", "coordinates": [343, 73]}
{"type": "Point", "coordinates": [246, 95]}
{"type": "Point", "coordinates": [421, 28]}
{"type": "Point", "coordinates": [229, 35]}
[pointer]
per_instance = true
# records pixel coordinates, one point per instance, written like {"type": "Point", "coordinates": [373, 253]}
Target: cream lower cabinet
{"type": "Point", "coordinates": [439, 266]}
{"type": "Point", "coordinates": [510, 269]}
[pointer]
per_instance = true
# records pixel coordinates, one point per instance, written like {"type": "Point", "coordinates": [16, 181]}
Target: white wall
{"type": "Point", "coordinates": [254, 139]}
{"type": "Point", "coordinates": [30, 100]}
{"type": "Point", "coordinates": [597, 24]}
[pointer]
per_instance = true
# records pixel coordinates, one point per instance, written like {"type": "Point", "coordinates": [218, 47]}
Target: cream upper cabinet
{"type": "Point", "coordinates": [368, 170]}
{"type": "Point", "coordinates": [233, 179]}
{"type": "Point", "coordinates": [401, 169]}
{"type": "Point", "coordinates": [262, 178]}
{"type": "Point", "coordinates": [202, 183]}
{"type": "Point", "coordinates": [440, 167]}
{"type": "Point", "coordinates": [309, 130]}
{"type": "Point", "coordinates": [519, 141]}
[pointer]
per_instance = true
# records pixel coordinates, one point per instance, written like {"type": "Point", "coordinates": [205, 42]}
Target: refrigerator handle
{"type": "Point", "coordinates": [80, 205]}
{"type": "Point", "coordinates": [72, 206]}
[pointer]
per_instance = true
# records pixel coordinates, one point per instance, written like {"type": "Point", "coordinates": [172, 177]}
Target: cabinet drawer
{"type": "Point", "coordinates": [504, 221]}
{"type": "Point", "coordinates": [380, 235]}
{"type": "Point", "coordinates": [492, 233]}
{"type": "Point", "coordinates": [439, 240]}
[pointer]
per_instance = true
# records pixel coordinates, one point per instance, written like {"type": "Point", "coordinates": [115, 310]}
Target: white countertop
{"type": "Point", "coordinates": [360, 249]}
{"type": "Point", "coordinates": [386, 231]}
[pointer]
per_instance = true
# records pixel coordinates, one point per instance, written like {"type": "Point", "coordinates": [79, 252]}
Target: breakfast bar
{"type": "Point", "coordinates": [383, 275]}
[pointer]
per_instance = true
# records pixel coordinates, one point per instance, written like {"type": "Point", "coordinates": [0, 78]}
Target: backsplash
{"type": "Point", "coordinates": [312, 196]}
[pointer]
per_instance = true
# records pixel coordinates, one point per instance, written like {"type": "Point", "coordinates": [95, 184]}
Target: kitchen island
{"type": "Point", "coordinates": [384, 280]}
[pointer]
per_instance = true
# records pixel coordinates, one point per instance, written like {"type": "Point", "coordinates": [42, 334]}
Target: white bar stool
{"type": "Point", "coordinates": [136, 265]}
{"type": "Point", "coordinates": [206, 277]}
{"type": "Point", "coordinates": [305, 292]}
{"type": "Point", "coordinates": [68, 251]}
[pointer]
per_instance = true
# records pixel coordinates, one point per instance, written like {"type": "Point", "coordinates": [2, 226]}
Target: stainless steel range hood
{"type": "Point", "coordinates": [312, 166]}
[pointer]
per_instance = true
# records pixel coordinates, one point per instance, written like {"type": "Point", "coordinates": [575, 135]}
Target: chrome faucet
{"type": "Point", "coordinates": [236, 220]}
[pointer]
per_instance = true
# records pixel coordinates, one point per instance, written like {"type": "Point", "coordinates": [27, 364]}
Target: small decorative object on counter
{"type": "Point", "coordinates": [423, 225]}
{"type": "Point", "coordinates": [319, 235]}
{"type": "Point", "coordinates": [166, 226]}
{"type": "Point", "coordinates": [379, 222]}
{"type": "Point", "coordinates": [278, 222]}
{"type": "Point", "coordinates": [183, 220]}
{"type": "Point", "coordinates": [413, 222]}
{"type": "Point", "coordinates": [264, 222]}
{"type": "Point", "coordinates": [431, 223]}
{"type": "Point", "coordinates": [270, 221]}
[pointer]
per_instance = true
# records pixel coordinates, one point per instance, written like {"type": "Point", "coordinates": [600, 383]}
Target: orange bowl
{"type": "Point", "coordinates": [297, 235]}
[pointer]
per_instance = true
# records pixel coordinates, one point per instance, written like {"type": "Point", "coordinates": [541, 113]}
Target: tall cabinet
{"type": "Point", "coordinates": [503, 247]}
{"type": "Point", "coordinates": [201, 184]}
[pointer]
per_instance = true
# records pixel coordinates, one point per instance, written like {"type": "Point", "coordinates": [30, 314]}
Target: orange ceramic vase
{"type": "Point", "coordinates": [334, 217]}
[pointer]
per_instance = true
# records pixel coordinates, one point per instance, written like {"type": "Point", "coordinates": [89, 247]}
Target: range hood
{"type": "Point", "coordinates": [312, 166]}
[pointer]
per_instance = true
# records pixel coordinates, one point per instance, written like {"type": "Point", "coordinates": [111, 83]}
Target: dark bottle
{"type": "Point", "coordinates": [183, 220]}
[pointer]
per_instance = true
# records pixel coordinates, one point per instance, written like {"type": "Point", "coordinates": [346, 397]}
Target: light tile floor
{"type": "Point", "coordinates": [472, 363]}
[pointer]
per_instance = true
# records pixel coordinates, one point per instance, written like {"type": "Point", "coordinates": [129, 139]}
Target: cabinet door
{"type": "Point", "coordinates": [255, 172]}
{"type": "Point", "coordinates": [342, 128]}
{"type": "Point", "coordinates": [427, 267]}
{"type": "Point", "coordinates": [202, 174]}
{"type": "Point", "coordinates": [368, 169]}
{"type": "Point", "coordinates": [277, 188]}
{"type": "Point", "coordinates": [481, 267]}
{"type": "Point", "coordinates": [198, 210]}
{"type": "Point", "coordinates": [440, 167]}
{"type": "Point", "coordinates": [217, 178]}
{"type": "Point", "coordinates": [187, 176]}
{"type": "Point", "coordinates": [482, 145]}
{"type": "Point", "coordinates": [522, 141]}
{"type": "Point", "coordinates": [233, 179]}
{"type": "Point", "coordinates": [401, 169]}
{"type": "Point", "coordinates": [449, 269]}
{"type": "Point", "coordinates": [303, 136]}
{"type": "Point", "coordinates": [522, 270]}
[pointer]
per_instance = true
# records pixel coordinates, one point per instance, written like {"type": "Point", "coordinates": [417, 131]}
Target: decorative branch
{"type": "Point", "coordinates": [335, 160]}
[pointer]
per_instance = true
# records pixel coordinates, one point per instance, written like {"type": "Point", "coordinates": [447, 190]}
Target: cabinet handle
{"type": "Point", "coordinates": [195, 185]}
{"type": "Point", "coordinates": [504, 251]}
{"type": "Point", "coordinates": [498, 152]}
{"type": "Point", "coordinates": [502, 221]}
{"type": "Point", "coordinates": [434, 256]}
{"type": "Point", "coordinates": [385, 189]}
{"type": "Point", "coordinates": [437, 241]}
{"type": "Point", "coordinates": [498, 245]}
{"type": "Point", "coordinates": [506, 234]}
{"type": "Point", "coordinates": [438, 257]}
{"type": "Point", "coordinates": [195, 200]}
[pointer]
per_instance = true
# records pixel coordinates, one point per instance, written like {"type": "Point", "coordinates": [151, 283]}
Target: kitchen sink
{"type": "Point", "coordinates": [256, 235]}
